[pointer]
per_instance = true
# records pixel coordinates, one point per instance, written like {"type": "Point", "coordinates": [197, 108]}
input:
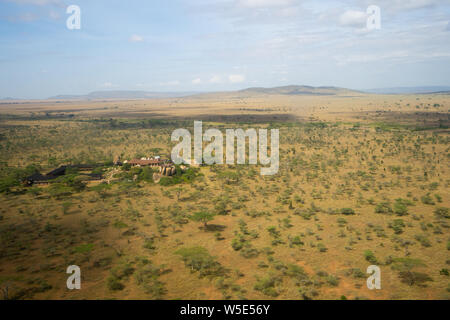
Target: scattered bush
{"type": "Point", "coordinates": [114, 284]}
{"type": "Point", "coordinates": [383, 207]}
{"type": "Point", "coordinates": [199, 260]}
{"type": "Point", "coordinates": [412, 278]}
{"type": "Point", "coordinates": [267, 285]}
{"type": "Point", "coordinates": [369, 256]}
{"type": "Point", "coordinates": [442, 212]}
{"type": "Point", "coordinates": [347, 211]}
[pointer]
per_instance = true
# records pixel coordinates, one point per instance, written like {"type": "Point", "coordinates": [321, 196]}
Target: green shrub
{"type": "Point", "coordinates": [427, 199]}
{"type": "Point", "coordinates": [295, 241]}
{"type": "Point", "coordinates": [199, 260]}
{"type": "Point", "coordinates": [400, 208]}
{"type": "Point", "coordinates": [149, 244]}
{"type": "Point", "coordinates": [114, 284]}
{"type": "Point", "coordinates": [308, 293]}
{"type": "Point", "coordinates": [406, 264]}
{"type": "Point", "coordinates": [442, 212]}
{"type": "Point", "coordinates": [296, 272]}
{"type": "Point", "coordinates": [238, 243]}
{"type": "Point", "coordinates": [397, 225]}
{"type": "Point", "coordinates": [267, 285]}
{"type": "Point", "coordinates": [332, 281]}
{"type": "Point", "coordinates": [122, 271]}
{"type": "Point", "coordinates": [412, 278]}
{"type": "Point", "coordinates": [12, 177]}
{"type": "Point", "coordinates": [341, 222]}
{"type": "Point", "coordinates": [203, 216]}
{"type": "Point", "coordinates": [369, 256]}
{"type": "Point", "coordinates": [249, 252]}
{"type": "Point", "coordinates": [84, 248]}
{"type": "Point", "coordinates": [148, 277]}
{"type": "Point", "coordinates": [423, 240]}
{"type": "Point", "coordinates": [383, 207]}
{"type": "Point", "coordinates": [273, 231]}
{"type": "Point", "coordinates": [120, 225]}
{"type": "Point", "coordinates": [321, 247]}
{"type": "Point", "coordinates": [347, 211]}
{"type": "Point", "coordinates": [355, 273]}
{"type": "Point", "coordinates": [221, 208]}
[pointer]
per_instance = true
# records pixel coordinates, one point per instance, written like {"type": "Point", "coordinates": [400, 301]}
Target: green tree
{"type": "Point", "coordinates": [203, 216]}
{"type": "Point", "coordinates": [199, 259]}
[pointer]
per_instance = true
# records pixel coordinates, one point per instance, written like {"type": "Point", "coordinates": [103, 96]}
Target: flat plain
{"type": "Point", "coordinates": [363, 180]}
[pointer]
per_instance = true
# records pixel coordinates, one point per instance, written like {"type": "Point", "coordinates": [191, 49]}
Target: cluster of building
{"type": "Point", "coordinates": [39, 178]}
{"type": "Point", "coordinates": [149, 162]}
{"type": "Point", "coordinates": [165, 166]}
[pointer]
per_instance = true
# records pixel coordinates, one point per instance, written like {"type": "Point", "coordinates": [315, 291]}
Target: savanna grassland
{"type": "Point", "coordinates": [363, 180]}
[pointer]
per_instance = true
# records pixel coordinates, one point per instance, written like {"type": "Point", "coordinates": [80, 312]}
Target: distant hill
{"type": "Point", "coordinates": [9, 98]}
{"type": "Point", "coordinates": [284, 90]}
{"type": "Point", "coordinates": [410, 90]}
{"type": "Point", "coordinates": [122, 95]}
{"type": "Point", "coordinates": [302, 90]}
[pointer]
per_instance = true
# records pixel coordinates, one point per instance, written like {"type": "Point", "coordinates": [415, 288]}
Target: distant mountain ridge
{"type": "Point", "coordinates": [281, 90]}
{"type": "Point", "coordinates": [122, 94]}
{"type": "Point", "coordinates": [285, 90]}
{"type": "Point", "coordinates": [301, 90]}
{"type": "Point", "coordinates": [410, 90]}
{"type": "Point", "coordinates": [9, 98]}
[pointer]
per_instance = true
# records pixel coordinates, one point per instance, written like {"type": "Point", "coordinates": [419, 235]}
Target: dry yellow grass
{"type": "Point", "coordinates": [372, 149]}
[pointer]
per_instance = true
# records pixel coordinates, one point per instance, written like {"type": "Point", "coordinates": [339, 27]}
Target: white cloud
{"type": "Point", "coordinates": [215, 79]}
{"type": "Point", "coordinates": [289, 12]}
{"type": "Point", "coordinates": [26, 17]}
{"type": "Point", "coordinates": [413, 4]}
{"type": "Point", "coordinates": [136, 38]}
{"type": "Point", "coordinates": [402, 5]}
{"type": "Point", "coordinates": [375, 57]}
{"type": "Point", "coordinates": [245, 12]}
{"type": "Point", "coordinates": [170, 83]}
{"type": "Point", "coordinates": [58, 3]}
{"type": "Point", "coordinates": [107, 85]}
{"type": "Point", "coordinates": [264, 3]}
{"type": "Point", "coordinates": [197, 81]}
{"type": "Point", "coordinates": [54, 15]}
{"type": "Point", "coordinates": [236, 78]}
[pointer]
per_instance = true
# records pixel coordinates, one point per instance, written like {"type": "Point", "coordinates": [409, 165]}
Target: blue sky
{"type": "Point", "coordinates": [208, 45]}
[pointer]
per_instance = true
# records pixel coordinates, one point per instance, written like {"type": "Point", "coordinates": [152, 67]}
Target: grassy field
{"type": "Point", "coordinates": [363, 180]}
